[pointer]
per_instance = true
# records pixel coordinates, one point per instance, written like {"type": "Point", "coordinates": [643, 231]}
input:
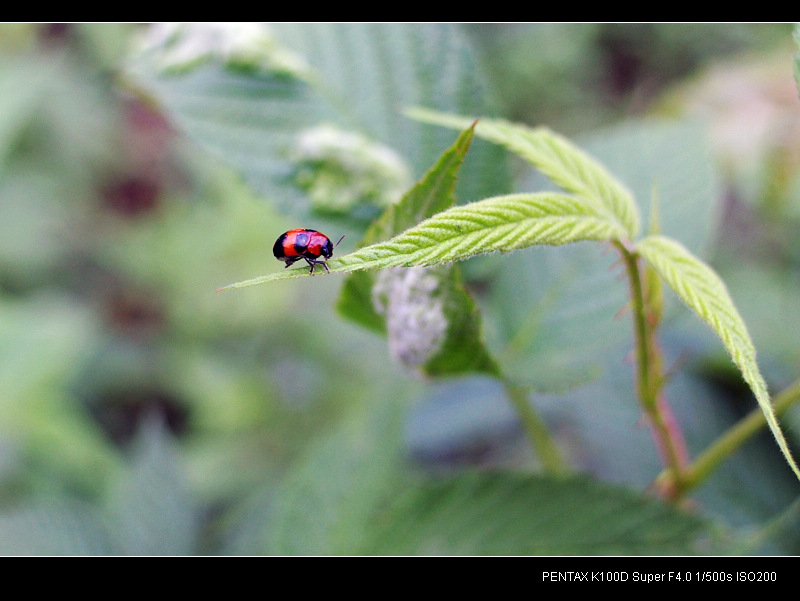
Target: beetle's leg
{"type": "Point", "coordinates": [313, 262]}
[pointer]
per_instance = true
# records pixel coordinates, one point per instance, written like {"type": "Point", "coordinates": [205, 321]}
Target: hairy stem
{"type": "Point", "coordinates": [731, 440]}
{"type": "Point", "coordinates": [649, 376]}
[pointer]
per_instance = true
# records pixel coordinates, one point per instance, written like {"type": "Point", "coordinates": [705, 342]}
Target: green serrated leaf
{"type": "Point", "coordinates": [503, 224]}
{"type": "Point", "coordinates": [511, 514]}
{"type": "Point", "coordinates": [706, 294]}
{"type": "Point", "coordinates": [555, 156]}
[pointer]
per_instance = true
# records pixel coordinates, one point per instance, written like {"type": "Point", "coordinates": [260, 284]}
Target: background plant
{"type": "Point", "coordinates": [291, 424]}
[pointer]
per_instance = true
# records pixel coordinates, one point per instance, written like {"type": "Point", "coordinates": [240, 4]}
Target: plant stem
{"type": "Point", "coordinates": [649, 376]}
{"type": "Point", "coordinates": [731, 440]}
{"type": "Point", "coordinates": [543, 445]}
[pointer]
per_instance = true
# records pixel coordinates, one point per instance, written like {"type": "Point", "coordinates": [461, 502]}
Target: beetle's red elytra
{"type": "Point", "coordinates": [303, 243]}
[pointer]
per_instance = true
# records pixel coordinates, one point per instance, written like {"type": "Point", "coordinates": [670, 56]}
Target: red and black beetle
{"type": "Point", "coordinates": [302, 243]}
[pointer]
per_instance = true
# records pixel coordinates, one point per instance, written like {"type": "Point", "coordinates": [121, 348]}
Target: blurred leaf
{"type": "Point", "coordinates": [513, 514]}
{"type": "Point", "coordinates": [669, 164]}
{"type": "Point", "coordinates": [44, 342]}
{"type": "Point", "coordinates": [459, 421]}
{"type": "Point", "coordinates": [372, 72]}
{"type": "Point", "coordinates": [350, 497]}
{"type": "Point", "coordinates": [179, 47]}
{"type": "Point", "coordinates": [431, 195]}
{"type": "Point", "coordinates": [22, 83]}
{"type": "Point", "coordinates": [357, 76]}
{"type": "Point", "coordinates": [248, 122]}
{"type": "Point", "coordinates": [554, 315]}
{"type": "Point", "coordinates": [766, 295]}
{"type": "Point", "coordinates": [326, 501]}
{"type": "Point", "coordinates": [343, 172]}
{"type": "Point", "coordinates": [108, 43]}
{"type": "Point", "coordinates": [59, 527]}
{"type": "Point", "coordinates": [150, 504]}
{"type": "Point", "coordinates": [30, 216]}
{"type": "Point", "coordinates": [705, 293]}
{"type": "Point", "coordinates": [460, 417]}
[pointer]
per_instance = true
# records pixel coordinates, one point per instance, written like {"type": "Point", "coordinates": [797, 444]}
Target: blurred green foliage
{"type": "Point", "coordinates": [141, 413]}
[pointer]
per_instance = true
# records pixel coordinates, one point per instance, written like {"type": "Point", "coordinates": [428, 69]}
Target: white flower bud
{"type": "Point", "coordinates": [410, 300]}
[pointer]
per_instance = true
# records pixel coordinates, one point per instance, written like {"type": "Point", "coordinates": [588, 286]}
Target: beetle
{"type": "Point", "coordinates": [303, 243]}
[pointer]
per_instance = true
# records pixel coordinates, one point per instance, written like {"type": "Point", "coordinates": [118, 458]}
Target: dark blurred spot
{"type": "Point", "coordinates": [55, 32]}
{"type": "Point", "coordinates": [131, 196]}
{"type": "Point", "coordinates": [623, 63]}
{"type": "Point", "coordinates": [134, 313]}
{"type": "Point", "coordinates": [476, 453]}
{"type": "Point", "coordinates": [120, 412]}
